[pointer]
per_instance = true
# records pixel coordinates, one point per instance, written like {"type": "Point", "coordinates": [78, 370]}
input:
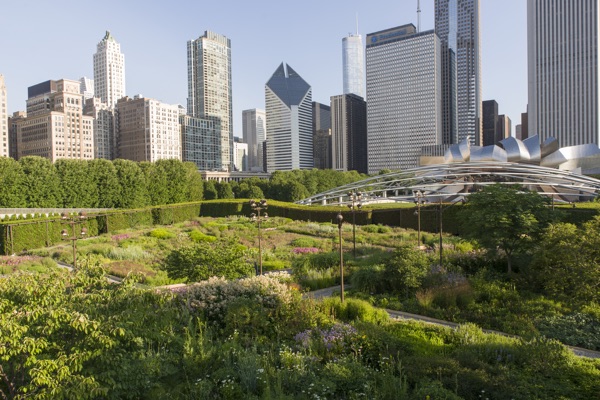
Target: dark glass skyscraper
{"type": "Point", "coordinates": [457, 25]}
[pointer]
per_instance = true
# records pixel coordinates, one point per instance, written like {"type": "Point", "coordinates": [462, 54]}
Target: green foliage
{"type": "Point", "coordinates": [41, 185]}
{"type": "Point", "coordinates": [195, 183]}
{"type": "Point", "coordinates": [77, 183]}
{"type": "Point", "coordinates": [224, 190]}
{"type": "Point", "coordinates": [565, 265]}
{"type": "Point", "coordinates": [576, 329]}
{"type": "Point", "coordinates": [198, 236]}
{"type": "Point", "coordinates": [225, 258]}
{"type": "Point", "coordinates": [210, 191]}
{"type": "Point", "coordinates": [161, 233]}
{"type": "Point", "coordinates": [11, 181]}
{"type": "Point", "coordinates": [132, 183]}
{"type": "Point", "coordinates": [104, 175]}
{"type": "Point", "coordinates": [355, 310]}
{"type": "Point", "coordinates": [506, 218]}
{"type": "Point", "coordinates": [305, 242]}
{"type": "Point", "coordinates": [406, 270]}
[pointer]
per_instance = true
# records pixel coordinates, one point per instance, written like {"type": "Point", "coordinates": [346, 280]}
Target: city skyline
{"type": "Point", "coordinates": [260, 37]}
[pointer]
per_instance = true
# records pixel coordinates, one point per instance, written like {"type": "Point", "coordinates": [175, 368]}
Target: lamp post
{"type": "Point", "coordinates": [463, 201]}
{"type": "Point", "coordinates": [355, 202]}
{"type": "Point", "coordinates": [72, 221]}
{"type": "Point", "coordinates": [340, 220]}
{"type": "Point", "coordinates": [419, 198]}
{"type": "Point", "coordinates": [258, 206]}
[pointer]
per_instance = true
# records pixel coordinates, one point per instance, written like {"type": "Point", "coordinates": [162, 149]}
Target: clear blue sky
{"type": "Point", "coordinates": [42, 40]}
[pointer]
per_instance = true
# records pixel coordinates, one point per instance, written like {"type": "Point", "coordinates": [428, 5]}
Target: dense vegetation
{"type": "Point", "coordinates": [35, 182]}
{"type": "Point", "coordinates": [75, 336]}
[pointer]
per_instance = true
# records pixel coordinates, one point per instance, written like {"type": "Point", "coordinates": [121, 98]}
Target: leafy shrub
{"type": "Point", "coordinates": [132, 253]}
{"type": "Point", "coordinates": [406, 270]}
{"type": "Point", "coordinates": [355, 310]}
{"type": "Point", "coordinates": [369, 279]}
{"type": "Point", "coordinates": [273, 265]}
{"type": "Point", "coordinates": [576, 329]}
{"type": "Point", "coordinates": [161, 233]}
{"type": "Point", "coordinates": [305, 242]}
{"type": "Point", "coordinates": [376, 228]}
{"type": "Point", "coordinates": [198, 236]}
{"type": "Point", "coordinates": [453, 296]}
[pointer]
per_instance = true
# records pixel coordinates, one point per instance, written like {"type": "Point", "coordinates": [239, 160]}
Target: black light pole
{"type": "Point", "coordinates": [258, 206]}
{"type": "Point", "coordinates": [340, 219]}
{"type": "Point", "coordinates": [75, 220]}
{"type": "Point", "coordinates": [355, 202]}
{"type": "Point", "coordinates": [419, 197]}
{"type": "Point", "coordinates": [441, 240]}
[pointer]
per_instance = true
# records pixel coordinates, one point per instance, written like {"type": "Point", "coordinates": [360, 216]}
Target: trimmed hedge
{"type": "Point", "coordinates": [19, 235]}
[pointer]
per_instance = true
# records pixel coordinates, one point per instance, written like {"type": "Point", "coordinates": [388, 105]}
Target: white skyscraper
{"type": "Point", "coordinates": [241, 156]}
{"type": "Point", "coordinates": [3, 119]}
{"type": "Point", "coordinates": [353, 60]}
{"type": "Point", "coordinates": [254, 134]}
{"type": "Point", "coordinates": [404, 92]}
{"type": "Point", "coordinates": [109, 71]}
{"type": "Point", "coordinates": [562, 46]}
{"type": "Point", "coordinates": [289, 121]}
{"type": "Point", "coordinates": [87, 88]}
{"type": "Point", "coordinates": [209, 87]}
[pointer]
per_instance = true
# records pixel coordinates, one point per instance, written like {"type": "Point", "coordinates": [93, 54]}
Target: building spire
{"type": "Point", "coordinates": [357, 24]}
{"type": "Point", "coordinates": [418, 16]}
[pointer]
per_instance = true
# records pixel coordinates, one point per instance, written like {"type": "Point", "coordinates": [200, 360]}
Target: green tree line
{"type": "Point", "coordinates": [35, 182]}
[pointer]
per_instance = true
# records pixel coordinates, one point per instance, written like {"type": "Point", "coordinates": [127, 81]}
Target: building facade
{"type": "Point", "coordinates": [240, 150]}
{"type": "Point", "coordinates": [13, 123]}
{"type": "Point", "coordinates": [490, 122]}
{"type": "Point", "coordinates": [201, 142]}
{"type": "Point", "coordinates": [353, 62]}
{"type": "Point", "coordinates": [562, 48]}
{"type": "Point", "coordinates": [4, 137]}
{"type": "Point", "coordinates": [109, 71]}
{"type": "Point", "coordinates": [349, 133]}
{"type": "Point", "coordinates": [55, 126]}
{"type": "Point", "coordinates": [288, 100]}
{"type": "Point", "coordinates": [404, 91]}
{"type": "Point", "coordinates": [457, 26]}
{"type": "Point", "coordinates": [321, 126]}
{"type": "Point", "coordinates": [254, 132]}
{"type": "Point", "coordinates": [104, 129]}
{"type": "Point", "coordinates": [504, 127]}
{"type": "Point", "coordinates": [86, 87]}
{"type": "Point", "coordinates": [209, 86]}
{"type": "Point", "coordinates": [148, 130]}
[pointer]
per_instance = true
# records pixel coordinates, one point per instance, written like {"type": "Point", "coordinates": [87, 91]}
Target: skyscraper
{"type": "Point", "coordinates": [254, 133]}
{"type": "Point", "coordinates": [349, 133]}
{"type": "Point", "coordinates": [3, 119]}
{"type": "Point", "coordinates": [109, 71]}
{"type": "Point", "coordinates": [55, 126]}
{"type": "Point", "coordinates": [104, 129]}
{"type": "Point", "coordinates": [562, 47]}
{"type": "Point", "coordinates": [490, 122]}
{"type": "Point", "coordinates": [353, 61]}
{"type": "Point", "coordinates": [404, 92]}
{"type": "Point", "coordinates": [321, 128]}
{"type": "Point", "coordinates": [288, 100]}
{"type": "Point", "coordinates": [209, 86]}
{"type": "Point", "coordinates": [457, 25]}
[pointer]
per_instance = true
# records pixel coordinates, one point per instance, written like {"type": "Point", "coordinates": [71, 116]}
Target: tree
{"type": "Point", "coordinates": [567, 262]}
{"type": "Point", "coordinates": [506, 218]}
{"type": "Point", "coordinates": [224, 258]}
{"type": "Point", "coordinates": [11, 179]}
{"type": "Point", "coordinates": [156, 183]}
{"type": "Point", "coordinates": [104, 174]}
{"type": "Point", "coordinates": [132, 183]}
{"type": "Point", "coordinates": [176, 180]}
{"type": "Point", "coordinates": [224, 190]}
{"type": "Point", "coordinates": [195, 184]}
{"type": "Point", "coordinates": [405, 270]}
{"type": "Point", "coordinates": [41, 184]}
{"type": "Point", "coordinates": [78, 187]}
{"type": "Point", "coordinates": [210, 190]}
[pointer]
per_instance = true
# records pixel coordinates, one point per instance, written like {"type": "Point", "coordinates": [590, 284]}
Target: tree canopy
{"type": "Point", "coordinates": [506, 218]}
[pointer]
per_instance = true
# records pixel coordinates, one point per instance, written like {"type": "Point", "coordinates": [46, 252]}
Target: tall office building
{"type": "Point", "coordinates": [349, 133]}
{"type": "Point", "coordinates": [490, 122]}
{"type": "Point", "coordinates": [404, 91]}
{"type": "Point", "coordinates": [201, 142]}
{"type": "Point", "coordinates": [321, 128]}
{"type": "Point", "coordinates": [254, 132]}
{"type": "Point", "coordinates": [288, 100]}
{"type": "Point", "coordinates": [240, 150]}
{"type": "Point", "coordinates": [55, 126]}
{"type": "Point", "coordinates": [148, 129]}
{"type": "Point", "coordinates": [353, 62]}
{"type": "Point", "coordinates": [4, 141]}
{"type": "Point", "coordinates": [209, 86]}
{"type": "Point", "coordinates": [457, 25]}
{"type": "Point", "coordinates": [504, 127]}
{"type": "Point", "coordinates": [13, 123]}
{"type": "Point", "coordinates": [104, 130]}
{"type": "Point", "coordinates": [562, 47]}
{"type": "Point", "coordinates": [86, 87]}
{"type": "Point", "coordinates": [109, 71]}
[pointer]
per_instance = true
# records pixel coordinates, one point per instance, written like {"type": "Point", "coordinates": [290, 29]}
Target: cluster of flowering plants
{"type": "Point", "coordinates": [13, 261]}
{"type": "Point", "coordinates": [305, 250]}
{"type": "Point", "coordinates": [338, 339]}
{"type": "Point", "coordinates": [121, 236]}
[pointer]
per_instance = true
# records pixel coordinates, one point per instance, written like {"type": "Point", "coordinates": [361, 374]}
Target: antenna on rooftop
{"type": "Point", "coordinates": [418, 16]}
{"type": "Point", "coordinates": [357, 23]}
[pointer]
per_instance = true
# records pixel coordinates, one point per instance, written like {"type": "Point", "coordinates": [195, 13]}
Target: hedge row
{"type": "Point", "coordinates": [17, 236]}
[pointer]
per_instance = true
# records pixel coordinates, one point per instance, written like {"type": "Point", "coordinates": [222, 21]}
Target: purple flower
{"type": "Point", "coordinates": [305, 250]}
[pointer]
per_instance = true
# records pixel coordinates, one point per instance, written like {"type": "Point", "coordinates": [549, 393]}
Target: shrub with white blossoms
{"type": "Point", "coordinates": [212, 297]}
